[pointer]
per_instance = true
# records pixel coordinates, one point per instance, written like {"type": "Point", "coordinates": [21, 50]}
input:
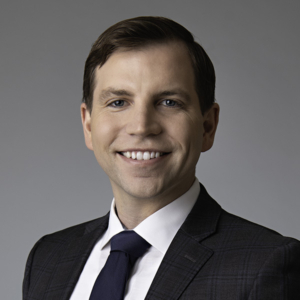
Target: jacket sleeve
{"type": "Point", "coordinates": [279, 277]}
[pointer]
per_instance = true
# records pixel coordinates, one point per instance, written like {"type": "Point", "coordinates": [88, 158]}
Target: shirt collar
{"type": "Point", "coordinates": [160, 228]}
{"type": "Point", "coordinates": [114, 226]}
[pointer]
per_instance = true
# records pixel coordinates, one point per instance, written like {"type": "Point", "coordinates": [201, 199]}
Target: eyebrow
{"type": "Point", "coordinates": [173, 92]}
{"type": "Point", "coordinates": [121, 92]}
{"type": "Point", "coordinates": [113, 92]}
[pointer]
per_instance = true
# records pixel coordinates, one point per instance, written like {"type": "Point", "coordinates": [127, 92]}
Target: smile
{"type": "Point", "coordinates": [142, 155]}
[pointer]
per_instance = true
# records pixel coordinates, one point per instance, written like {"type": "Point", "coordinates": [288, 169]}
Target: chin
{"type": "Point", "coordinates": [144, 192]}
{"type": "Point", "coordinates": [143, 189]}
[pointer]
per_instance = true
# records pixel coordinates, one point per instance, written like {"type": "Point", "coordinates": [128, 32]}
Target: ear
{"type": "Point", "coordinates": [86, 124]}
{"type": "Point", "coordinates": [210, 124]}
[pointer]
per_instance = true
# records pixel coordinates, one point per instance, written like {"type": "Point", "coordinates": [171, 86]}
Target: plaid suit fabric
{"type": "Point", "coordinates": [214, 255]}
{"type": "Point", "coordinates": [56, 261]}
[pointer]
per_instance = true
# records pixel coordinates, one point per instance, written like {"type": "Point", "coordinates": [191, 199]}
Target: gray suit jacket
{"type": "Point", "coordinates": [214, 255]}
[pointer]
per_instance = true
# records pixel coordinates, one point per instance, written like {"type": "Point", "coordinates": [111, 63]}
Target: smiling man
{"type": "Point", "coordinates": [148, 112]}
{"type": "Point", "coordinates": [145, 103]}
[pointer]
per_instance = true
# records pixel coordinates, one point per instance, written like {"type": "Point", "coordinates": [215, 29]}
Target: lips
{"type": "Point", "coordinates": [142, 155]}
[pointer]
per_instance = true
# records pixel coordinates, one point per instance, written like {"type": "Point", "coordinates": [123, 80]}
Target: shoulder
{"type": "Point", "coordinates": [52, 244]}
{"type": "Point", "coordinates": [235, 231]}
{"type": "Point", "coordinates": [268, 260]}
{"type": "Point", "coordinates": [246, 261]}
{"type": "Point", "coordinates": [230, 231]}
{"type": "Point", "coordinates": [59, 238]}
{"type": "Point", "coordinates": [77, 230]}
{"type": "Point", "coordinates": [243, 247]}
{"type": "Point", "coordinates": [60, 246]}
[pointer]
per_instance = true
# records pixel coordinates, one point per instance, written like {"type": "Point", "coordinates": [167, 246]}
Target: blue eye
{"type": "Point", "coordinates": [169, 102]}
{"type": "Point", "coordinates": [118, 103]}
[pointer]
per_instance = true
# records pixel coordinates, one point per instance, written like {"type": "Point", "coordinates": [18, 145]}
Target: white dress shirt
{"type": "Point", "coordinates": [158, 230]}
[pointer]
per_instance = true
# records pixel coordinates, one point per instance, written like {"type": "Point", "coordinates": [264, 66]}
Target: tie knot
{"type": "Point", "coordinates": [129, 242]}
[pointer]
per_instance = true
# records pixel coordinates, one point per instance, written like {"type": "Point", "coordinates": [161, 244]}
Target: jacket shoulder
{"type": "Point", "coordinates": [49, 250]}
{"type": "Point", "coordinates": [76, 230]}
{"type": "Point", "coordinates": [248, 261]}
{"type": "Point", "coordinates": [54, 242]}
{"type": "Point", "coordinates": [236, 232]}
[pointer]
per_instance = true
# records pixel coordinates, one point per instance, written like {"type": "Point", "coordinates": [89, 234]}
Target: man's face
{"type": "Point", "coordinates": [144, 105]}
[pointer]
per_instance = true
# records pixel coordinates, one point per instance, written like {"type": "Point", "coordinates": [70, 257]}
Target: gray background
{"type": "Point", "coordinates": [49, 180]}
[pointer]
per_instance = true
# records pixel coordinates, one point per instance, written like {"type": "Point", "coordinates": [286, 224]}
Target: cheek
{"type": "Point", "coordinates": [188, 132]}
{"type": "Point", "coordinates": [103, 134]}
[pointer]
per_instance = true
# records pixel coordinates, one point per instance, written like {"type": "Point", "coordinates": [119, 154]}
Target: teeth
{"type": "Point", "coordinates": [146, 155]}
{"type": "Point", "coordinates": [139, 155]}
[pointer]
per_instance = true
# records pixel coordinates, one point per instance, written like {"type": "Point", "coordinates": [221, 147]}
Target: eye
{"type": "Point", "coordinates": [117, 103]}
{"type": "Point", "coordinates": [169, 102]}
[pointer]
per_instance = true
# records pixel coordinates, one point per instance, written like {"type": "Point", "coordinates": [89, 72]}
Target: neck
{"type": "Point", "coordinates": [132, 213]}
{"type": "Point", "coordinates": [132, 210]}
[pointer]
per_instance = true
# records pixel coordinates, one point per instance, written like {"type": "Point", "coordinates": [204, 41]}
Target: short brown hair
{"type": "Point", "coordinates": [141, 31]}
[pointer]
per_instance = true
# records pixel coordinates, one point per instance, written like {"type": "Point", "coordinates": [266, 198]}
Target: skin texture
{"type": "Point", "coordinates": [143, 100]}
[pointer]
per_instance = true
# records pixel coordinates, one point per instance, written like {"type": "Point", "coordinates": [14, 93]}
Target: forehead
{"type": "Point", "coordinates": [146, 69]}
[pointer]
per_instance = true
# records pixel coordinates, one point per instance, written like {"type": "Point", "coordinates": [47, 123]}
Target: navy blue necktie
{"type": "Point", "coordinates": [126, 248]}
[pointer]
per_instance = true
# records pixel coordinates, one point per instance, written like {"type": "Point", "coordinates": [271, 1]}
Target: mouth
{"type": "Point", "coordinates": [143, 155]}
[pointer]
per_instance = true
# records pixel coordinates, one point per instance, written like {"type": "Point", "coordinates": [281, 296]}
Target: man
{"type": "Point", "coordinates": [148, 112]}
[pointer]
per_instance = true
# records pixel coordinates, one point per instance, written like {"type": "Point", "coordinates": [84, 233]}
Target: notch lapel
{"type": "Point", "coordinates": [186, 256]}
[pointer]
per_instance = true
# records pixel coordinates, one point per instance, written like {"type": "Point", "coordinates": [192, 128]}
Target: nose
{"type": "Point", "coordinates": [144, 121]}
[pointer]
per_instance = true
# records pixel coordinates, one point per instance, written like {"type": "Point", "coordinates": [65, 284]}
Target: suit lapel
{"type": "Point", "coordinates": [72, 260]}
{"type": "Point", "coordinates": [186, 256]}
